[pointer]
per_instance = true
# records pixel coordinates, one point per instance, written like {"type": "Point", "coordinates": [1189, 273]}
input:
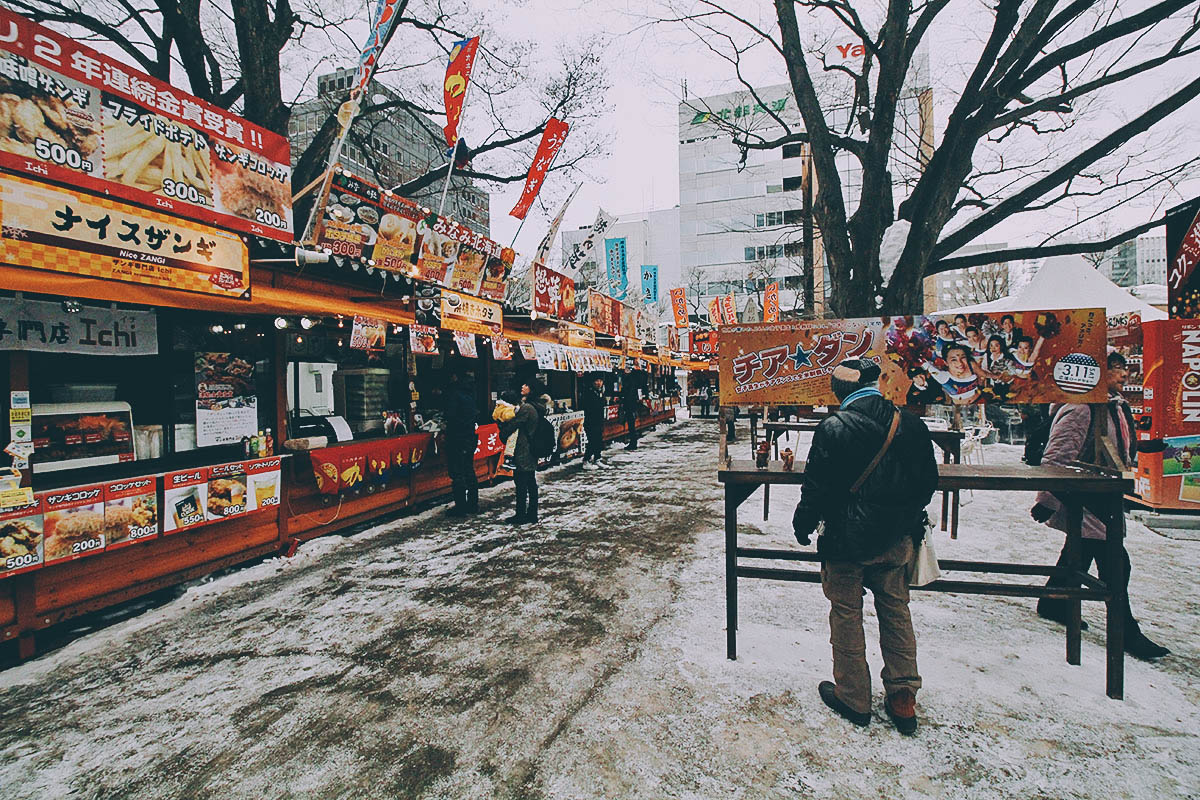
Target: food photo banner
{"type": "Point", "coordinates": [62, 230]}
{"type": "Point", "coordinates": [362, 221]}
{"type": "Point", "coordinates": [1019, 357]}
{"type": "Point", "coordinates": [81, 118]}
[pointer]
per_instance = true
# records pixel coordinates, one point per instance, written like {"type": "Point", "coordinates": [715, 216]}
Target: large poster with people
{"type": "Point", "coordinates": [1017, 357]}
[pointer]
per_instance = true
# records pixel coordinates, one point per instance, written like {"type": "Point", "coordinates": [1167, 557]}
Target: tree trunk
{"type": "Point", "coordinates": [260, 40]}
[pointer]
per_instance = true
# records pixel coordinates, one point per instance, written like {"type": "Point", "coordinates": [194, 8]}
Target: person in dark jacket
{"type": "Point", "coordinates": [461, 442]}
{"type": "Point", "coordinates": [868, 537]}
{"type": "Point", "coordinates": [593, 422]}
{"type": "Point", "coordinates": [1071, 441]}
{"type": "Point", "coordinates": [533, 406]}
{"type": "Point", "coordinates": [631, 399]}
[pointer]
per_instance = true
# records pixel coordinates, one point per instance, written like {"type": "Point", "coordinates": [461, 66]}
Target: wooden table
{"type": "Point", "coordinates": [1103, 490]}
{"type": "Point", "coordinates": [949, 442]}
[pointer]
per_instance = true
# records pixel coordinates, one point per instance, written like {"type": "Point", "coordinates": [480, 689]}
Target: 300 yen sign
{"type": "Point", "coordinates": [183, 191]}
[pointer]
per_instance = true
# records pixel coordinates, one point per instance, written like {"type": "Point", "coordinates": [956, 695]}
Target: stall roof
{"type": "Point", "coordinates": [1068, 282]}
{"type": "Point", "coordinates": [291, 295]}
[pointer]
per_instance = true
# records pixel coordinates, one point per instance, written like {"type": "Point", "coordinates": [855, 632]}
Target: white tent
{"type": "Point", "coordinates": [1068, 282]}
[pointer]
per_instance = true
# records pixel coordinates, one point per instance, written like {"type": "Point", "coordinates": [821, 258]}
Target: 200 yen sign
{"type": "Point", "coordinates": [269, 218]}
{"type": "Point", "coordinates": [86, 545]}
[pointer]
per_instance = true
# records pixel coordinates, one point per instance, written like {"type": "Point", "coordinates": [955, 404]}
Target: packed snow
{"type": "Point", "coordinates": [584, 657]}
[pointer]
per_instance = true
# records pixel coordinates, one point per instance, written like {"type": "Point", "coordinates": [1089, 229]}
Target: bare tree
{"type": "Point", "coordinates": [244, 55]}
{"type": "Point", "coordinates": [1032, 129]}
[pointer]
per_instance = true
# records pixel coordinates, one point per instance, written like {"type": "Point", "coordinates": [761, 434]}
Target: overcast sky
{"type": "Point", "coordinates": [647, 67]}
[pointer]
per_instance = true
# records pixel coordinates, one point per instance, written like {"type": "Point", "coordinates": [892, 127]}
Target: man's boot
{"type": "Point", "coordinates": [472, 500]}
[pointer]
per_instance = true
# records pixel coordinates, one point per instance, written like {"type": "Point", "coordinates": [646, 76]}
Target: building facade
{"type": "Point", "coordinates": [390, 148]}
{"type": "Point", "coordinates": [650, 238]}
{"type": "Point", "coordinates": [971, 285]}
{"type": "Point", "coordinates": [1152, 257]}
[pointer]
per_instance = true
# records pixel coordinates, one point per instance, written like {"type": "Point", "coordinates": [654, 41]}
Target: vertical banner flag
{"type": "Point", "coordinates": [771, 302]}
{"type": "Point", "coordinates": [454, 91]}
{"type": "Point", "coordinates": [603, 222]}
{"type": "Point", "coordinates": [731, 317]}
{"type": "Point", "coordinates": [383, 19]}
{"type": "Point", "coordinates": [679, 306]}
{"type": "Point", "coordinates": [614, 259]}
{"type": "Point", "coordinates": [1183, 297]}
{"type": "Point", "coordinates": [543, 251]}
{"type": "Point", "coordinates": [716, 312]}
{"type": "Point", "coordinates": [553, 137]}
{"type": "Point", "coordinates": [650, 283]}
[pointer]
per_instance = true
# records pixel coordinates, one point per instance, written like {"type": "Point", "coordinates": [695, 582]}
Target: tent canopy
{"type": "Point", "coordinates": [1068, 282]}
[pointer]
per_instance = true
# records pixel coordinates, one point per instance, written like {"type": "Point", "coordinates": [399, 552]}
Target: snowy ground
{"type": "Point", "coordinates": [584, 658]}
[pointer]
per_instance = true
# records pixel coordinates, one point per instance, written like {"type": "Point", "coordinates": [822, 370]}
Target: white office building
{"type": "Point", "coordinates": [651, 238]}
{"type": "Point", "coordinates": [741, 221]}
{"type": "Point", "coordinates": [1152, 257]}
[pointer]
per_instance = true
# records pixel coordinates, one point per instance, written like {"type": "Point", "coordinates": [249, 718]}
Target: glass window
{"type": "Point", "coordinates": [793, 150]}
{"type": "Point", "coordinates": [750, 252]}
{"type": "Point", "coordinates": [791, 184]}
{"type": "Point", "coordinates": [793, 217]}
{"type": "Point", "coordinates": [759, 220]}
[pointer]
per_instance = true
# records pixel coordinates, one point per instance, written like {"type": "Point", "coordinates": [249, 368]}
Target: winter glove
{"type": "Point", "coordinates": [1041, 513]}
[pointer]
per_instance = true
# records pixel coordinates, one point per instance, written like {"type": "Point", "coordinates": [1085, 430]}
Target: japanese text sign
{"type": "Point", "coordinates": [679, 307]}
{"type": "Point", "coordinates": [461, 312]}
{"type": "Point", "coordinates": [66, 231]}
{"type": "Point", "coordinates": [84, 119]}
{"type": "Point", "coordinates": [614, 259]}
{"type": "Point", "coordinates": [583, 250]}
{"type": "Point", "coordinates": [553, 136]}
{"type": "Point", "coordinates": [1024, 357]}
{"type": "Point", "coordinates": [771, 302]}
{"type": "Point", "coordinates": [553, 293]}
{"type": "Point", "coordinates": [1183, 250]}
{"type": "Point", "coordinates": [39, 325]}
{"type": "Point", "coordinates": [650, 283]}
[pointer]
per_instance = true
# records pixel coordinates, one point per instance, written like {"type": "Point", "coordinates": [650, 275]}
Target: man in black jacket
{"type": "Point", "coordinates": [868, 537]}
{"type": "Point", "coordinates": [461, 441]}
{"type": "Point", "coordinates": [631, 399]}
{"type": "Point", "coordinates": [593, 422]}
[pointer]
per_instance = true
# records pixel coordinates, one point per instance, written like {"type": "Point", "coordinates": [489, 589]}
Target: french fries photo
{"type": "Point", "coordinates": [144, 160]}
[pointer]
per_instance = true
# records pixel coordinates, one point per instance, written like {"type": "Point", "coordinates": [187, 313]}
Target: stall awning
{"type": "Point", "coordinates": [290, 295]}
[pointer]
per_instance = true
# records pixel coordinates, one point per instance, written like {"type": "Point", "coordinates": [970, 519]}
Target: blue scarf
{"type": "Point", "coordinates": [866, 391]}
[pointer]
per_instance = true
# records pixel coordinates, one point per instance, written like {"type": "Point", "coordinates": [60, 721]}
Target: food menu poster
{"type": "Point", "coordinates": [83, 119]}
{"type": "Point", "coordinates": [362, 221]}
{"type": "Point", "coordinates": [185, 499]}
{"type": "Point", "coordinates": [1020, 357]}
{"type": "Point", "coordinates": [226, 405]}
{"type": "Point", "coordinates": [423, 339]}
{"type": "Point", "coordinates": [64, 230]}
{"type": "Point", "coordinates": [22, 543]}
{"type": "Point", "coordinates": [131, 511]}
{"type": "Point", "coordinates": [73, 522]}
{"type": "Point", "coordinates": [501, 349]}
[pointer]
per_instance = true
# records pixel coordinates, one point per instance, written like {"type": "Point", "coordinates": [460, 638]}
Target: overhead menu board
{"type": "Point", "coordinates": [81, 118]}
{"type": "Point", "coordinates": [360, 220]}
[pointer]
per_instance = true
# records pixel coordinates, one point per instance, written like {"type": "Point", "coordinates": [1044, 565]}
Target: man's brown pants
{"type": "Point", "coordinates": [887, 578]}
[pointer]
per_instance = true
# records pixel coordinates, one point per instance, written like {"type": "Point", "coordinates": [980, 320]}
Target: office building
{"type": "Point", "coordinates": [390, 148]}
{"type": "Point", "coordinates": [1152, 257]}
{"type": "Point", "coordinates": [970, 285]}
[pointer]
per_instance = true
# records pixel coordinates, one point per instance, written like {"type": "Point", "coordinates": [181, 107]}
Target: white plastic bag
{"type": "Point", "coordinates": [924, 567]}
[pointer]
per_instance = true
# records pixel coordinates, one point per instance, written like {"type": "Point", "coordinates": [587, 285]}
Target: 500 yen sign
{"type": "Point", "coordinates": [63, 156]}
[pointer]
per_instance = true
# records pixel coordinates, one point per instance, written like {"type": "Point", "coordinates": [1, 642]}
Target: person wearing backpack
{"type": "Point", "coordinates": [869, 476]}
{"type": "Point", "coordinates": [1071, 441]}
{"type": "Point", "coordinates": [530, 414]}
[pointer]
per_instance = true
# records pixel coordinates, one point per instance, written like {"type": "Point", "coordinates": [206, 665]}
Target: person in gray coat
{"type": "Point", "coordinates": [533, 407]}
{"type": "Point", "coordinates": [1071, 441]}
